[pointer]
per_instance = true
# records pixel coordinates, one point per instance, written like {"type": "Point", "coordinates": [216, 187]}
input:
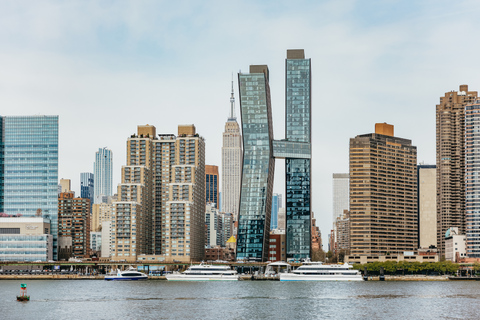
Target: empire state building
{"type": "Point", "coordinates": [232, 158]}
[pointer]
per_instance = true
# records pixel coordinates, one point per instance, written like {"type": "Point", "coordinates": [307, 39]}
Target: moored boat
{"type": "Point", "coordinates": [130, 274]}
{"type": "Point", "coordinates": [317, 271]}
{"type": "Point", "coordinates": [205, 272]}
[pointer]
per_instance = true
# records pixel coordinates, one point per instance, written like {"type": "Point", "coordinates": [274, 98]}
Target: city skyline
{"type": "Point", "coordinates": [366, 61]}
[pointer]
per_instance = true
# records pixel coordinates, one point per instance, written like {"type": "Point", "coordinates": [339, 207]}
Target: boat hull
{"type": "Point", "coordinates": [303, 277]}
{"type": "Point", "coordinates": [115, 278]}
{"type": "Point", "coordinates": [182, 277]}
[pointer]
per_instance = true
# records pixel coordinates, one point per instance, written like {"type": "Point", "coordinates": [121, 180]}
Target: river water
{"type": "Point", "coordinates": [96, 299]}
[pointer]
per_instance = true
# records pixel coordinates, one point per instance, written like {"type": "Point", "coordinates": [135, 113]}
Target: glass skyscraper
{"type": "Point", "coordinates": [297, 170]}
{"type": "Point", "coordinates": [260, 151]}
{"type": "Point", "coordinates": [29, 168]}
{"type": "Point", "coordinates": [103, 173]}
{"type": "Point", "coordinates": [258, 165]}
{"type": "Point", "coordinates": [86, 186]}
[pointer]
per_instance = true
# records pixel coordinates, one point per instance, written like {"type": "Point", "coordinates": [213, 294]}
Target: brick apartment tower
{"type": "Point", "coordinates": [450, 116]}
{"type": "Point", "coordinates": [161, 201]}
{"type": "Point", "coordinates": [383, 193]}
{"type": "Point", "coordinates": [73, 226]}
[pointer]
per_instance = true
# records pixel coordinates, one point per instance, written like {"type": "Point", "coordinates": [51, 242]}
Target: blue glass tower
{"type": "Point", "coordinates": [258, 165]}
{"type": "Point", "coordinates": [29, 168]}
{"type": "Point", "coordinates": [86, 186]}
{"type": "Point", "coordinates": [297, 169]}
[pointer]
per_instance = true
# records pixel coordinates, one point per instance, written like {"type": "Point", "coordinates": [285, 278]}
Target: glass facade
{"type": "Point", "coordinates": [472, 174]}
{"type": "Point", "coordinates": [297, 167]}
{"type": "Point", "coordinates": [276, 204]}
{"type": "Point", "coordinates": [103, 173]}
{"type": "Point", "coordinates": [86, 186]}
{"type": "Point", "coordinates": [258, 167]}
{"type": "Point", "coordinates": [22, 247]}
{"type": "Point", "coordinates": [30, 168]}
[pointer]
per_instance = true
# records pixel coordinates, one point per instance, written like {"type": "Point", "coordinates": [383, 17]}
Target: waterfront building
{"type": "Point", "coordinates": [298, 109]}
{"type": "Point", "coordinates": [87, 186]}
{"type": "Point", "coordinates": [161, 200]}
{"type": "Point", "coordinates": [101, 212]}
{"type": "Point", "coordinates": [211, 185]}
{"type": "Point", "coordinates": [276, 205]}
{"type": "Point", "coordinates": [427, 206]}
{"type": "Point", "coordinates": [73, 226]}
{"type": "Point", "coordinates": [260, 150]}
{"type": "Point", "coordinates": [472, 176]}
{"type": "Point", "coordinates": [184, 224]}
{"type": "Point", "coordinates": [383, 193]}
{"type": "Point", "coordinates": [450, 125]}
{"type": "Point", "coordinates": [29, 168]}
{"type": "Point", "coordinates": [276, 246]}
{"type": "Point", "coordinates": [25, 239]}
{"type": "Point", "coordinates": [65, 185]}
{"type": "Point", "coordinates": [258, 165]}
{"type": "Point", "coordinates": [231, 163]}
{"type": "Point", "coordinates": [455, 245]}
{"type": "Point", "coordinates": [103, 174]}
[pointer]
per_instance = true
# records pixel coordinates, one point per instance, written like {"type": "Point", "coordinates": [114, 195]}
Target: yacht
{"type": "Point", "coordinates": [317, 271]}
{"type": "Point", "coordinates": [204, 272]}
{"type": "Point", "coordinates": [130, 274]}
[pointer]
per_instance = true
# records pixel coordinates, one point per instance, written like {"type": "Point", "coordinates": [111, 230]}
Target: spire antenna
{"type": "Point", "coordinates": [232, 105]}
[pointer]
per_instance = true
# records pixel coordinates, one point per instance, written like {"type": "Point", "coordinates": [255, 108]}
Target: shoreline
{"type": "Point", "coordinates": [242, 278]}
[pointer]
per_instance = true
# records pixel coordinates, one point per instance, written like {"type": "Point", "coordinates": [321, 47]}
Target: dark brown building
{"type": "Point", "coordinates": [73, 226]}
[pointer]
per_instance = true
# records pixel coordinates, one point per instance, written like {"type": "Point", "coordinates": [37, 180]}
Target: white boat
{"type": "Point", "coordinates": [130, 274]}
{"type": "Point", "coordinates": [203, 272]}
{"type": "Point", "coordinates": [317, 271]}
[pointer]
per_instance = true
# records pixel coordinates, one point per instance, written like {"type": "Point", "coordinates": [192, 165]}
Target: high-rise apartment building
{"type": "Point", "coordinates": [450, 118]}
{"type": "Point", "coordinates": [103, 174]}
{"type": "Point", "coordinates": [383, 193]}
{"type": "Point", "coordinates": [472, 179]}
{"type": "Point", "coordinates": [86, 186]}
{"type": "Point", "coordinates": [211, 185]}
{"type": "Point", "coordinates": [258, 165]}
{"type": "Point", "coordinates": [73, 226]}
{"type": "Point", "coordinates": [231, 163]}
{"type": "Point", "coordinates": [161, 200]}
{"type": "Point", "coordinates": [298, 109]}
{"type": "Point", "coordinates": [184, 223]}
{"type": "Point", "coordinates": [427, 205]}
{"type": "Point", "coordinates": [29, 168]}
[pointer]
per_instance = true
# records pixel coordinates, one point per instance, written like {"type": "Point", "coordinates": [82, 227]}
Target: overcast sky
{"type": "Point", "coordinates": [107, 66]}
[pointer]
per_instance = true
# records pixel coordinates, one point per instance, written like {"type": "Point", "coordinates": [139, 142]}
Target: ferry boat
{"type": "Point", "coordinates": [317, 271]}
{"type": "Point", "coordinates": [130, 274]}
{"type": "Point", "coordinates": [204, 272]}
